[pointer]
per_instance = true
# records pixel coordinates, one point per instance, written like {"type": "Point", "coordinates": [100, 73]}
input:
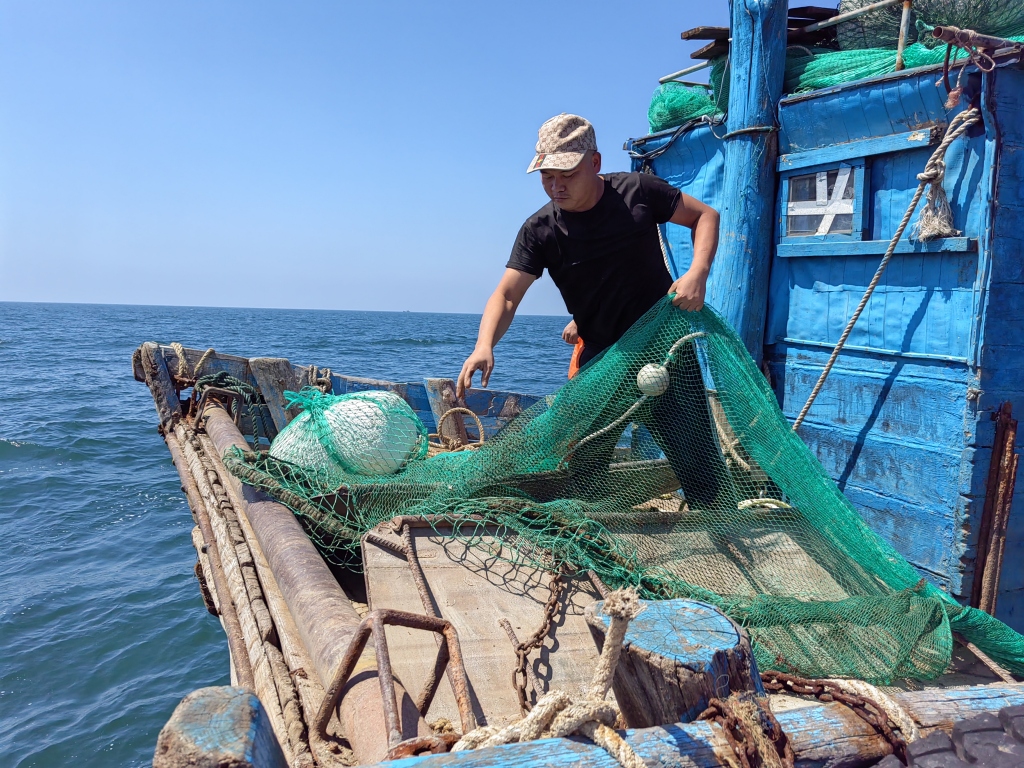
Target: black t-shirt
{"type": "Point", "coordinates": [607, 262]}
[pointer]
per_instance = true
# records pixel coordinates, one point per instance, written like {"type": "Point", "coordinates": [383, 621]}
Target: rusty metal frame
{"type": "Point", "coordinates": [449, 658]}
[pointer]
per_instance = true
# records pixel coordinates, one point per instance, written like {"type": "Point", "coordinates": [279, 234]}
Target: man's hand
{"type": "Point", "coordinates": [570, 335]}
{"type": "Point", "coordinates": [481, 360]}
{"type": "Point", "coordinates": [689, 290]}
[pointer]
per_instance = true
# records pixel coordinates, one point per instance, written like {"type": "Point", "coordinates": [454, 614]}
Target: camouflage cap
{"type": "Point", "coordinates": [562, 142]}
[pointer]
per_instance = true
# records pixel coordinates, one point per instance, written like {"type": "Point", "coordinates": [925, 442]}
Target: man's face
{"type": "Point", "coordinates": [577, 189]}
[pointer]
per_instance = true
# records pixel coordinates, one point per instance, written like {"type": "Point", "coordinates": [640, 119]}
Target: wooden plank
{"type": "Point", "coordinates": [706, 33]}
{"type": "Point", "coordinates": [859, 148]}
{"type": "Point", "coordinates": [818, 247]}
{"type": "Point", "coordinates": [274, 376]}
{"type": "Point", "coordinates": [473, 589]}
{"type": "Point", "coordinates": [712, 50]}
{"type": "Point", "coordinates": [828, 734]}
{"type": "Point", "coordinates": [218, 726]}
{"type": "Point", "coordinates": [812, 13]}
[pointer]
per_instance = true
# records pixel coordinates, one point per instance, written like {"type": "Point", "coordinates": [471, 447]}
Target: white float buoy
{"type": "Point", "coordinates": [653, 380]}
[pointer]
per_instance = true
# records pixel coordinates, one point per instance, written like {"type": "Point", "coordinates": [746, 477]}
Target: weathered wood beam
{"type": "Point", "coordinates": [829, 734]}
{"type": "Point", "coordinates": [217, 727]}
{"type": "Point", "coordinates": [751, 147]}
{"type": "Point", "coordinates": [274, 376]}
{"type": "Point", "coordinates": [158, 379]}
{"type": "Point", "coordinates": [297, 661]}
{"type": "Point", "coordinates": [253, 617]}
{"type": "Point", "coordinates": [228, 615]}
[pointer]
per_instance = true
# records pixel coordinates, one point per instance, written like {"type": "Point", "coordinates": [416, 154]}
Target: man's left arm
{"type": "Point", "coordinates": [703, 222]}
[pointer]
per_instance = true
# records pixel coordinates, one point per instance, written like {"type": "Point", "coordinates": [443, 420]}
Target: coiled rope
{"type": "Point", "coordinates": [935, 221]}
{"type": "Point", "coordinates": [558, 714]}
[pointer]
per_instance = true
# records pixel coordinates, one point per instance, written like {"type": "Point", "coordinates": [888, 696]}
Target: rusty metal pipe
{"type": "Point", "coordinates": [323, 614]}
{"type": "Point", "coordinates": [950, 34]}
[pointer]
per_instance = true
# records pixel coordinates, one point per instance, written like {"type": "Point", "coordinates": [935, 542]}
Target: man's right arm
{"type": "Point", "coordinates": [498, 314]}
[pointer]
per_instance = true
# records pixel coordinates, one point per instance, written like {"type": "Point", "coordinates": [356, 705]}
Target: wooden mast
{"type": "Point", "coordinates": [757, 60]}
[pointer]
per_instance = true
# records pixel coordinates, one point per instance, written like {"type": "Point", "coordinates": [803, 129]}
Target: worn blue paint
{"type": "Point", "coordinates": [693, 634]}
{"type": "Point", "coordinates": [819, 246]}
{"type": "Point", "coordinates": [904, 422]}
{"type": "Point", "coordinates": [857, 148]}
{"type": "Point", "coordinates": [759, 32]}
{"type": "Point", "coordinates": [225, 725]}
{"type": "Point", "coordinates": [820, 735]}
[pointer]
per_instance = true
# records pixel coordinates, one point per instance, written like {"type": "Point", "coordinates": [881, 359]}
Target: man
{"type": "Point", "coordinates": [598, 239]}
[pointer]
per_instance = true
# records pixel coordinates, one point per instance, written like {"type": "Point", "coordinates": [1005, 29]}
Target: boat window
{"type": "Point", "coordinates": [821, 203]}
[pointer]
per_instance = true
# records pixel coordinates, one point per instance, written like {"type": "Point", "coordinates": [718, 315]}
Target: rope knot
{"type": "Point", "coordinates": [559, 714]}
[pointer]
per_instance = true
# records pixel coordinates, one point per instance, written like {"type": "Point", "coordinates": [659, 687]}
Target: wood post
{"type": "Point", "coordinates": [275, 375]}
{"type": "Point", "coordinates": [1002, 477]}
{"type": "Point", "coordinates": [216, 727]}
{"type": "Point", "coordinates": [441, 395]}
{"type": "Point", "coordinates": [757, 60]}
{"type": "Point", "coordinates": [676, 657]}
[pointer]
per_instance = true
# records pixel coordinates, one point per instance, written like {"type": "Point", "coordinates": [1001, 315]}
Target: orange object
{"type": "Point", "coordinates": [574, 363]}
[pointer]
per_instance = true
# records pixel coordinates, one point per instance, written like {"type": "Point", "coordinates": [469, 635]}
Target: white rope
{"type": "Point", "coordinates": [632, 409]}
{"type": "Point", "coordinates": [933, 174]}
{"type": "Point", "coordinates": [557, 714]}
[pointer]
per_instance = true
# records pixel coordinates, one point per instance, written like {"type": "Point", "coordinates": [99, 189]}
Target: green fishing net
{"type": "Point", "coordinates": [881, 28]}
{"type": "Point", "coordinates": [675, 103]}
{"type": "Point", "coordinates": [664, 464]}
{"type": "Point", "coordinates": [867, 48]}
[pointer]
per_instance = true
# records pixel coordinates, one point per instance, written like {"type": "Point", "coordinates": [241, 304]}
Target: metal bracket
{"type": "Point", "coordinates": [449, 658]}
{"type": "Point", "coordinates": [226, 395]}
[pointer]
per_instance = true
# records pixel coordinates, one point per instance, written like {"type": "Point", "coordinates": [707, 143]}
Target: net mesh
{"type": "Point", "coordinates": [685, 483]}
{"type": "Point", "coordinates": [867, 48]}
{"type": "Point", "coordinates": [881, 28]}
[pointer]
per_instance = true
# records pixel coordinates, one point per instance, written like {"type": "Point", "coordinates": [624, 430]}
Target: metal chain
{"type": "Point", "coordinates": [738, 728]}
{"type": "Point", "coordinates": [867, 709]}
{"type": "Point", "coordinates": [520, 678]}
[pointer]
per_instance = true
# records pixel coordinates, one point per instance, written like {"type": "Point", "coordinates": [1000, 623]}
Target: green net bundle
{"type": "Point", "coordinates": [675, 103]}
{"type": "Point", "coordinates": [666, 465]}
{"type": "Point", "coordinates": [881, 28]}
{"type": "Point", "coordinates": [867, 48]}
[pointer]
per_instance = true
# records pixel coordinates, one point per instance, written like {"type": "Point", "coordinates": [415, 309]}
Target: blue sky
{"type": "Point", "coordinates": [327, 155]}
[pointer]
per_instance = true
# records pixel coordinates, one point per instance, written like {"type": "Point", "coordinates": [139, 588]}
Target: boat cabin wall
{"type": "Point", "coordinates": [899, 424]}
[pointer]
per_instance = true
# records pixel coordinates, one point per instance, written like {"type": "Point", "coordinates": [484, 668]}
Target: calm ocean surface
{"type": "Point", "coordinates": [102, 629]}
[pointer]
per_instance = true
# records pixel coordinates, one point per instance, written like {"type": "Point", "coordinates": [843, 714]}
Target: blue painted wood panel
{"type": "Point", "coordinates": [874, 108]}
{"type": "Point", "coordinates": [1001, 307]}
{"type": "Point", "coordinates": [923, 303]}
{"type": "Point", "coordinates": [695, 164]}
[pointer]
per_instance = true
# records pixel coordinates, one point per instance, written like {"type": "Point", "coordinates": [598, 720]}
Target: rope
{"type": "Point", "coordinates": [450, 444]}
{"type": "Point", "coordinates": [557, 714]}
{"type": "Point", "coordinates": [183, 370]}
{"type": "Point", "coordinates": [933, 174]}
{"type": "Point", "coordinates": [896, 713]}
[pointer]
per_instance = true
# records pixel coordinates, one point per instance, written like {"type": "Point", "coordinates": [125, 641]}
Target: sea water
{"type": "Point", "coordinates": [102, 628]}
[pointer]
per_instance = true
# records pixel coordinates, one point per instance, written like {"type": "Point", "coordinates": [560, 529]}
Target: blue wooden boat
{"type": "Point", "coordinates": [914, 423]}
